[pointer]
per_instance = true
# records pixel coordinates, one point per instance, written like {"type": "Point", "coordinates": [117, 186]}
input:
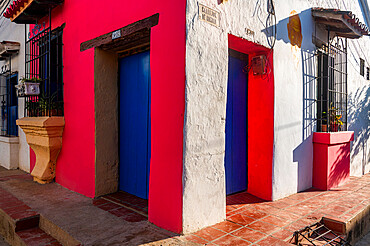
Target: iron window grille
{"type": "Point", "coordinates": [8, 104]}
{"type": "Point", "coordinates": [332, 89]}
{"type": "Point", "coordinates": [362, 67]}
{"type": "Point", "coordinates": [44, 62]}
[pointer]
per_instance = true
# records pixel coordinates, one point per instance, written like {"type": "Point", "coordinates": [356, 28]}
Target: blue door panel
{"type": "Point", "coordinates": [236, 127]}
{"type": "Point", "coordinates": [12, 106]}
{"type": "Point", "coordinates": [12, 118]}
{"type": "Point", "coordinates": [134, 77]}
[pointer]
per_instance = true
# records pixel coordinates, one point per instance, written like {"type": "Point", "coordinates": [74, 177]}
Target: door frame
{"type": "Point", "coordinates": [106, 55]}
{"type": "Point", "coordinates": [260, 119]}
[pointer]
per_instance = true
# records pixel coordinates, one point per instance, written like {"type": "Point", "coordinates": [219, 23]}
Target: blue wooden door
{"type": "Point", "coordinates": [134, 108]}
{"type": "Point", "coordinates": [236, 125]}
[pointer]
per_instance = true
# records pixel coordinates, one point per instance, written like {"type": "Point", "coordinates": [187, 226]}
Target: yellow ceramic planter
{"type": "Point", "coordinates": [44, 135]}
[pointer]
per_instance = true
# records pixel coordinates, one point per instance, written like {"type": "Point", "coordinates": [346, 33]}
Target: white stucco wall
{"type": "Point", "coordinates": [204, 200]}
{"type": "Point", "coordinates": [294, 87]}
{"type": "Point", "coordinates": [294, 94]}
{"type": "Point", "coordinates": [358, 98]}
{"type": "Point", "coordinates": [294, 71]}
{"type": "Point", "coordinates": [359, 106]}
{"type": "Point", "coordinates": [13, 32]}
{"type": "Point", "coordinates": [9, 152]}
{"type": "Point", "coordinates": [294, 112]}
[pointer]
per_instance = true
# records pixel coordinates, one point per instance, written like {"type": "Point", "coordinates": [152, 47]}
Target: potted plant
{"type": "Point", "coordinates": [28, 87]}
{"type": "Point", "coordinates": [335, 119]}
{"type": "Point", "coordinates": [43, 106]}
{"type": "Point", "coordinates": [30, 80]}
{"type": "Point", "coordinates": [46, 106]}
{"type": "Point", "coordinates": [324, 126]}
{"type": "Point", "coordinates": [324, 123]}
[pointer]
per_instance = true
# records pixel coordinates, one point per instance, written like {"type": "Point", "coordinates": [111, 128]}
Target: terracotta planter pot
{"type": "Point", "coordinates": [324, 128]}
{"type": "Point", "coordinates": [44, 135]}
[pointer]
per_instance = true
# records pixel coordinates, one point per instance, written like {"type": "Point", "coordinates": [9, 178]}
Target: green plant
{"type": "Point", "coordinates": [33, 80]}
{"type": "Point", "coordinates": [41, 105]}
{"type": "Point", "coordinates": [334, 116]}
{"type": "Point", "coordinates": [45, 103]}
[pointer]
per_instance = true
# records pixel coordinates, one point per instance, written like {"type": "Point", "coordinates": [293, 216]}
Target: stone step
{"type": "Point", "coordinates": [15, 216]}
{"type": "Point", "coordinates": [354, 228]}
{"type": "Point", "coordinates": [351, 230]}
{"type": "Point", "coordinates": [20, 225]}
{"type": "Point", "coordinates": [58, 233]}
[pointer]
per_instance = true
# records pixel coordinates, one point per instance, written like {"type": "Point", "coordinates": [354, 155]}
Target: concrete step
{"type": "Point", "coordinates": [350, 230]}
{"type": "Point", "coordinates": [15, 216]}
{"type": "Point", "coordinates": [20, 225]}
{"type": "Point", "coordinates": [354, 228]}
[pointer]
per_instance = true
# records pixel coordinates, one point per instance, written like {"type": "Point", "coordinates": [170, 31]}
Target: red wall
{"type": "Point", "coordinates": [88, 19]}
{"type": "Point", "coordinates": [32, 159]}
{"type": "Point", "coordinates": [260, 120]}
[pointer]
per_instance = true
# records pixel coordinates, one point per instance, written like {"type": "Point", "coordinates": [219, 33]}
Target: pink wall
{"type": "Point", "coordinates": [331, 159]}
{"type": "Point", "coordinates": [87, 19]}
{"type": "Point", "coordinates": [260, 120]}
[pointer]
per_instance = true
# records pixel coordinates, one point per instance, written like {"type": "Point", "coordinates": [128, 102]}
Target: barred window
{"type": "Point", "coordinates": [8, 104]}
{"type": "Point", "coordinates": [332, 86]}
{"type": "Point", "coordinates": [44, 62]}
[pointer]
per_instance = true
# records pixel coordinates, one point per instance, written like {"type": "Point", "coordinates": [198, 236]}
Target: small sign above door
{"type": "Point", "coordinates": [116, 34]}
{"type": "Point", "coordinates": [209, 15]}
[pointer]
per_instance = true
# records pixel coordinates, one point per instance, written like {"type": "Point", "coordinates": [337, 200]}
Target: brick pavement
{"type": "Point", "coordinates": [121, 218]}
{"type": "Point", "coordinates": [253, 221]}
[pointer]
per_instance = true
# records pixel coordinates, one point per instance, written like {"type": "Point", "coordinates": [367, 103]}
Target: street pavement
{"type": "Point", "coordinates": [365, 241]}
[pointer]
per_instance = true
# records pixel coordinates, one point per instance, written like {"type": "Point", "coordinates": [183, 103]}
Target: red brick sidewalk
{"type": "Point", "coordinates": [252, 221]}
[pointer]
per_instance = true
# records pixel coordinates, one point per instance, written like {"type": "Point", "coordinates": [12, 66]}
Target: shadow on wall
{"type": "Point", "coordinates": [359, 122]}
{"type": "Point", "coordinates": [307, 57]}
{"type": "Point", "coordinates": [267, 19]}
{"type": "Point", "coordinates": [297, 30]}
{"type": "Point", "coordinates": [339, 171]}
{"type": "Point", "coordinates": [304, 180]}
{"type": "Point", "coordinates": [309, 73]}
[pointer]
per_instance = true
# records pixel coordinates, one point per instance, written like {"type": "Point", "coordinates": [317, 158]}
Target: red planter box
{"type": "Point", "coordinates": [331, 159]}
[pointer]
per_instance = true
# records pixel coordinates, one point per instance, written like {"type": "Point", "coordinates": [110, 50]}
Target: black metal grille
{"type": "Point", "coordinates": [44, 62]}
{"type": "Point", "coordinates": [318, 234]}
{"type": "Point", "coordinates": [332, 86]}
{"type": "Point", "coordinates": [8, 104]}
